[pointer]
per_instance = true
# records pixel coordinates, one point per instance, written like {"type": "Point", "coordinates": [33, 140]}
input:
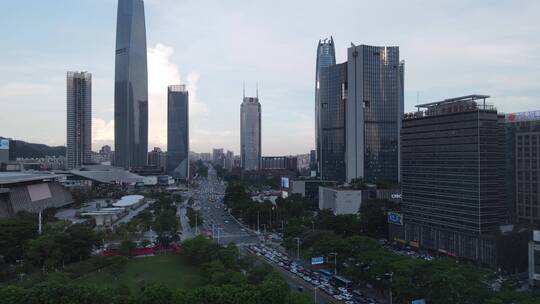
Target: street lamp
{"type": "Point", "coordinates": [315, 293]}
{"type": "Point", "coordinates": [335, 261]}
{"type": "Point", "coordinates": [297, 248]}
{"type": "Point", "coordinates": [391, 275]}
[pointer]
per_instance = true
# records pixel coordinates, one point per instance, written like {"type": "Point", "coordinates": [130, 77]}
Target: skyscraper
{"type": "Point", "coordinates": [453, 178]}
{"type": "Point", "coordinates": [79, 119]}
{"type": "Point", "coordinates": [250, 133]}
{"type": "Point", "coordinates": [178, 131]}
{"type": "Point", "coordinates": [332, 98]}
{"type": "Point", "coordinates": [373, 113]}
{"type": "Point", "coordinates": [130, 86]}
{"type": "Point", "coordinates": [326, 56]}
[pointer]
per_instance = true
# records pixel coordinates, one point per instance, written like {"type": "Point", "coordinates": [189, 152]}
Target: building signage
{"type": "Point", "coordinates": [536, 235]}
{"type": "Point", "coordinates": [420, 301]}
{"type": "Point", "coordinates": [395, 218]}
{"type": "Point", "coordinates": [523, 116]}
{"type": "Point", "coordinates": [4, 144]}
{"type": "Point", "coordinates": [285, 182]}
{"type": "Point", "coordinates": [396, 195]}
{"type": "Point", "coordinates": [317, 260]}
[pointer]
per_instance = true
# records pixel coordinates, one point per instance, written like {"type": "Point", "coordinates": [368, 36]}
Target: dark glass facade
{"type": "Point", "coordinates": [178, 132]}
{"type": "Point", "coordinates": [332, 97]}
{"type": "Point", "coordinates": [374, 110]}
{"type": "Point", "coordinates": [452, 177]}
{"type": "Point", "coordinates": [131, 86]}
{"type": "Point", "coordinates": [250, 134]}
{"type": "Point", "coordinates": [326, 56]}
{"type": "Point", "coordinates": [523, 165]}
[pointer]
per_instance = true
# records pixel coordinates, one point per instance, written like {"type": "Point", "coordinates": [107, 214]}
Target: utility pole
{"type": "Point", "coordinates": [258, 229]}
{"type": "Point", "coordinates": [297, 248]}
{"type": "Point", "coordinates": [196, 226]}
{"type": "Point", "coordinates": [335, 261]}
{"type": "Point", "coordinates": [39, 223]}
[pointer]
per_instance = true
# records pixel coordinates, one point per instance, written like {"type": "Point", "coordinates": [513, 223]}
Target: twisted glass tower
{"type": "Point", "coordinates": [130, 86]}
{"type": "Point", "coordinates": [326, 56]}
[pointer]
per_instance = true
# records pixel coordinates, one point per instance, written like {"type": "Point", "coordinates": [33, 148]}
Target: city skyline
{"type": "Point", "coordinates": [496, 54]}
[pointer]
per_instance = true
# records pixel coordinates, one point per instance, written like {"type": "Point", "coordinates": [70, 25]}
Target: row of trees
{"type": "Point", "coordinates": [231, 279]}
{"type": "Point", "coordinates": [363, 259]}
{"type": "Point", "coordinates": [194, 216]}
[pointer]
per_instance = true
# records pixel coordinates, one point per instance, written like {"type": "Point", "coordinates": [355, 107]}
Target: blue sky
{"type": "Point", "coordinates": [451, 48]}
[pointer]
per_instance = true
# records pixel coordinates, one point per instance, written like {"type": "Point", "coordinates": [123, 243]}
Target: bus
{"type": "Point", "coordinates": [341, 281]}
{"type": "Point", "coordinates": [325, 273]}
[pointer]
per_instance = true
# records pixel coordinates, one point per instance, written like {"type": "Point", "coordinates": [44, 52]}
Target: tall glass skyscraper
{"type": "Point", "coordinates": [250, 133]}
{"type": "Point", "coordinates": [332, 98]}
{"type": "Point", "coordinates": [130, 86]}
{"type": "Point", "coordinates": [326, 56]}
{"type": "Point", "coordinates": [373, 113]}
{"type": "Point", "coordinates": [178, 132]}
{"type": "Point", "coordinates": [79, 119]}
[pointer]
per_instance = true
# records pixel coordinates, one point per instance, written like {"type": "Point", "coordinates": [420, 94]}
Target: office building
{"type": "Point", "coordinates": [130, 86]}
{"type": "Point", "coordinates": [523, 165]}
{"type": "Point", "coordinates": [178, 132]}
{"type": "Point", "coordinates": [453, 172]}
{"type": "Point", "coordinates": [250, 133]}
{"type": "Point", "coordinates": [373, 113]}
{"type": "Point", "coordinates": [218, 157]}
{"type": "Point", "coordinates": [157, 158]}
{"type": "Point", "coordinates": [79, 119]}
{"type": "Point", "coordinates": [279, 163]}
{"type": "Point", "coordinates": [5, 150]}
{"type": "Point", "coordinates": [229, 161]}
{"type": "Point", "coordinates": [332, 99]}
{"type": "Point", "coordinates": [326, 56]}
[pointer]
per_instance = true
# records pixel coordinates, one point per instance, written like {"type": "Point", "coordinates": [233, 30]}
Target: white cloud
{"type": "Point", "coordinates": [102, 133]}
{"type": "Point", "coordinates": [162, 72]}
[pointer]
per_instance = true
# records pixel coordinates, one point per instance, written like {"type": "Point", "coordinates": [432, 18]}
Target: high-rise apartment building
{"type": "Point", "coordinates": [373, 112]}
{"type": "Point", "coordinates": [130, 86]}
{"type": "Point", "coordinates": [157, 158]}
{"type": "Point", "coordinates": [332, 99]}
{"type": "Point", "coordinates": [79, 119]}
{"type": "Point", "coordinates": [326, 56]}
{"type": "Point", "coordinates": [250, 133]}
{"type": "Point", "coordinates": [452, 178]}
{"type": "Point", "coordinates": [178, 131]}
{"type": "Point", "coordinates": [523, 165]}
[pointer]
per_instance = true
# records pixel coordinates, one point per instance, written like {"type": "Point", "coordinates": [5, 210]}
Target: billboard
{"type": "Point", "coordinates": [317, 260]}
{"type": "Point", "coordinates": [421, 301]}
{"type": "Point", "coordinates": [523, 116]}
{"type": "Point", "coordinates": [536, 235]}
{"type": "Point", "coordinates": [395, 218]}
{"type": "Point", "coordinates": [4, 144]}
{"type": "Point", "coordinates": [285, 182]}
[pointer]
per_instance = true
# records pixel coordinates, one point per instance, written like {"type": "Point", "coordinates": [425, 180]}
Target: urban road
{"type": "Point", "coordinates": [225, 229]}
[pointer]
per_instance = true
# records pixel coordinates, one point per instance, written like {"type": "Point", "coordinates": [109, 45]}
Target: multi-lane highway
{"type": "Point", "coordinates": [217, 222]}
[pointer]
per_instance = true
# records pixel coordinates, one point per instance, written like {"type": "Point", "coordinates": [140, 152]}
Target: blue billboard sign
{"type": "Point", "coordinates": [285, 182]}
{"type": "Point", "coordinates": [395, 218]}
{"type": "Point", "coordinates": [317, 260]}
{"type": "Point", "coordinates": [421, 301]}
{"type": "Point", "coordinates": [4, 144]}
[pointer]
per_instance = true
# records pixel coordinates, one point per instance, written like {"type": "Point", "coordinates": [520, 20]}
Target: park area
{"type": "Point", "coordinates": [172, 271]}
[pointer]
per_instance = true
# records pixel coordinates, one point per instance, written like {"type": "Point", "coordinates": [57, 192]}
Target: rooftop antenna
{"type": "Point", "coordinates": [244, 88]}
{"type": "Point", "coordinates": [257, 86]}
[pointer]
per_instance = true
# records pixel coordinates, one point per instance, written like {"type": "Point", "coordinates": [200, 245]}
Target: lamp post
{"type": "Point", "coordinates": [335, 261]}
{"type": "Point", "coordinates": [297, 248]}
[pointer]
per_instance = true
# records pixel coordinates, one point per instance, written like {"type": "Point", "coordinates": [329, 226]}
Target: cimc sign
{"type": "Point", "coordinates": [395, 218]}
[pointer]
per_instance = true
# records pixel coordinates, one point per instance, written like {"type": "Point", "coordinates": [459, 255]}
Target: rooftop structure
{"type": "Point", "coordinates": [452, 105]}
{"type": "Point", "coordinates": [129, 201]}
{"type": "Point", "coordinates": [107, 174]}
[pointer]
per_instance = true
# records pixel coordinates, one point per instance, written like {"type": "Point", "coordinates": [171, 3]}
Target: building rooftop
{"type": "Point", "coordinates": [21, 177]}
{"type": "Point", "coordinates": [106, 174]}
{"type": "Point", "coordinates": [460, 104]}
{"type": "Point", "coordinates": [128, 200]}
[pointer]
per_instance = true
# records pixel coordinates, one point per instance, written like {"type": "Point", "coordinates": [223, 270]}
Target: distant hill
{"type": "Point", "coordinates": [30, 150]}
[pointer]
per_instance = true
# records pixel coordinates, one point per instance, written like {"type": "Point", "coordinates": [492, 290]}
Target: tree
{"type": "Point", "coordinates": [14, 234]}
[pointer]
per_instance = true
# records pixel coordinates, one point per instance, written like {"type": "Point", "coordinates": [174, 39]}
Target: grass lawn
{"type": "Point", "coordinates": [171, 270]}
